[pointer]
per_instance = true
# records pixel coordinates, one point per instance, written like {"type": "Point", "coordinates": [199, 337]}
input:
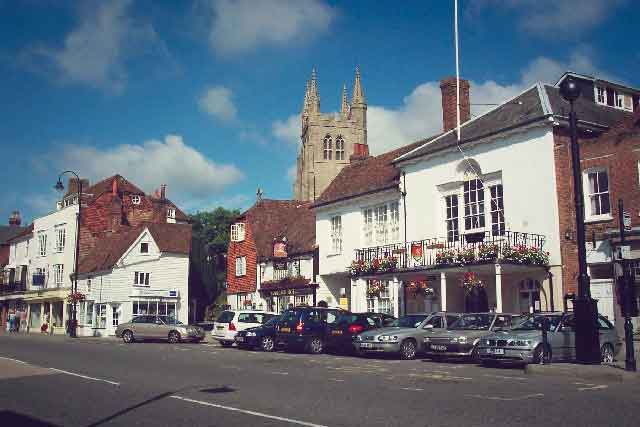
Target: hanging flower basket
{"type": "Point", "coordinates": [75, 297]}
{"type": "Point", "coordinates": [374, 288]}
{"type": "Point", "coordinates": [420, 287]}
{"type": "Point", "coordinates": [471, 281]}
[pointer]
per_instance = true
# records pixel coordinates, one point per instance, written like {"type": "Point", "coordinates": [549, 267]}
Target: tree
{"type": "Point", "coordinates": [210, 240]}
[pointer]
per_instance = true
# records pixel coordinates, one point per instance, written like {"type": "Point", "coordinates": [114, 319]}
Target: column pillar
{"type": "Point", "coordinates": [498, 288]}
{"type": "Point", "coordinates": [396, 297]}
{"type": "Point", "coordinates": [443, 291]}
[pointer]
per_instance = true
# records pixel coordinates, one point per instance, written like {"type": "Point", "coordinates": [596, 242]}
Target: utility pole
{"type": "Point", "coordinates": [626, 294]}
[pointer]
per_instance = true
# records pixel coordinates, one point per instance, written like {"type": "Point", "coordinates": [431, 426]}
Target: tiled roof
{"type": "Point", "coordinates": [8, 232]}
{"type": "Point", "coordinates": [365, 176]}
{"type": "Point", "coordinates": [292, 219]}
{"type": "Point", "coordinates": [170, 238]}
{"type": "Point", "coordinates": [629, 127]}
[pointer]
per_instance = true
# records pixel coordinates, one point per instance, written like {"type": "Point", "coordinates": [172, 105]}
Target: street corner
{"type": "Point", "coordinates": [571, 371]}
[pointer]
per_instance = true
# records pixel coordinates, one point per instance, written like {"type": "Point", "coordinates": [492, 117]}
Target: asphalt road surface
{"type": "Point", "coordinates": [93, 382]}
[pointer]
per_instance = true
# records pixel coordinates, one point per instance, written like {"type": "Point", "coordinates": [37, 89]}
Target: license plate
{"type": "Point", "coordinates": [366, 345]}
{"type": "Point", "coordinates": [438, 347]}
{"type": "Point", "coordinates": [495, 350]}
{"type": "Point", "coordinates": [219, 327]}
{"type": "Point", "coordinates": [285, 329]}
{"type": "Point", "coordinates": [336, 332]}
{"type": "Point", "coordinates": [240, 339]}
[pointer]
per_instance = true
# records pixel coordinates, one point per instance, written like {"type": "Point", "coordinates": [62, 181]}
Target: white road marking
{"type": "Point", "coordinates": [590, 386]}
{"type": "Point", "coordinates": [85, 377]}
{"type": "Point", "coordinates": [506, 377]}
{"type": "Point", "coordinates": [245, 411]}
{"type": "Point", "coordinates": [528, 396]}
{"type": "Point", "coordinates": [411, 389]}
{"type": "Point", "coordinates": [338, 380]}
{"type": "Point", "coordinates": [280, 373]}
{"type": "Point", "coordinates": [14, 360]}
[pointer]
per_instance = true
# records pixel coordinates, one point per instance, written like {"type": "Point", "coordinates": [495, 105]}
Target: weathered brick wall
{"type": "Point", "coordinates": [620, 157]}
{"type": "Point", "coordinates": [245, 248]}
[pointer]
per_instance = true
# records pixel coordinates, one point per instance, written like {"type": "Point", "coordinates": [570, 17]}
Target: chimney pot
{"type": "Point", "coordinates": [449, 113]}
{"type": "Point", "coordinates": [163, 191]}
{"type": "Point", "coordinates": [15, 218]}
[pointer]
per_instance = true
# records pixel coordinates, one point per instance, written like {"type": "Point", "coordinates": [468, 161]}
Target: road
{"type": "Point", "coordinates": [95, 382]}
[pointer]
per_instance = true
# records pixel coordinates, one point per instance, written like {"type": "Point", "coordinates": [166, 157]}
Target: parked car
{"type": "Point", "coordinates": [306, 328]}
{"type": "Point", "coordinates": [523, 343]}
{"type": "Point", "coordinates": [348, 325]}
{"type": "Point", "coordinates": [229, 322]}
{"type": "Point", "coordinates": [262, 336]}
{"type": "Point", "coordinates": [462, 337]}
{"type": "Point", "coordinates": [405, 336]}
{"type": "Point", "coordinates": [158, 328]}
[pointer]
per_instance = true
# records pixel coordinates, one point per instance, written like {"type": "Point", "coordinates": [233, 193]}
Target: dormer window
{"type": "Point", "coordinates": [237, 232]}
{"type": "Point", "coordinates": [171, 213]}
{"type": "Point", "coordinates": [144, 248]}
{"type": "Point", "coordinates": [613, 98]}
{"type": "Point", "coordinates": [135, 199]}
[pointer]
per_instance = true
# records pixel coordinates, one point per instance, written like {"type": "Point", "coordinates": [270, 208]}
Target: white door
{"type": "Point", "coordinates": [602, 290]}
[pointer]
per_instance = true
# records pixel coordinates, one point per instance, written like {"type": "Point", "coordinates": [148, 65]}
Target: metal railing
{"type": "Point", "coordinates": [428, 252]}
{"type": "Point", "coordinates": [11, 287]}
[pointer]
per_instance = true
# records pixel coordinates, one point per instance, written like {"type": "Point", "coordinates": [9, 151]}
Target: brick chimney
{"type": "Point", "coordinates": [448, 88]}
{"type": "Point", "coordinates": [72, 187]}
{"type": "Point", "coordinates": [14, 219]}
{"type": "Point", "coordinates": [163, 191]}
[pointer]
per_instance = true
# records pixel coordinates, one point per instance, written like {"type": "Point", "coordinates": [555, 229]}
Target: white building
{"type": "Point", "coordinates": [144, 270]}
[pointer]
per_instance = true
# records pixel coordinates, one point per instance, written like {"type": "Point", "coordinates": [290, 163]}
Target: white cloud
{"type": "Point", "coordinates": [288, 130]}
{"type": "Point", "coordinates": [41, 203]}
{"type": "Point", "coordinates": [190, 176]}
{"type": "Point", "coordinates": [553, 18]}
{"type": "Point", "coordinates": [217, 102]}
{"type": "Point", "coordinates": [242, 25]}
{"type": "Point", "coordinates": [94, 52]}
{"type": "Point", "coordinates": [420, 114]}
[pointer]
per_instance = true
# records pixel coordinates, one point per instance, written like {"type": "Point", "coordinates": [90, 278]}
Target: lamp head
{"type": "Point", "coordinates": [569, 89]}
{"type": "Point", "coordinates": [59, 185]}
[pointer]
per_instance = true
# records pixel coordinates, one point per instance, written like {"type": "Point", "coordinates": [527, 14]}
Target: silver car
{"type": "Point", "coordinates": [158, 328]}
{"type": "Point", "coordinates": [523, 343]}
{"type": "Point", "coordinates": [461, 339]}
{"type": "Point", "coordinates": [405, 335]}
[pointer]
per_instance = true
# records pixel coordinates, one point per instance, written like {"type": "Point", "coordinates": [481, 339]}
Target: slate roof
{"type": "Point", "coordinates": [8, 232]}
{"type": "Point", "coordinates": [365, 176]}
{"type": "Point", "coordinates": [292, 219]}
{"type": "Point", "coordinates": [170, 238]}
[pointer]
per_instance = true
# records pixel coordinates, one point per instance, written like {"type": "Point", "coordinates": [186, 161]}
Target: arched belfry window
{"type": "Point", "coordinates": [339, 148]}
{"type": "Point", "coordinates": [328, 147]}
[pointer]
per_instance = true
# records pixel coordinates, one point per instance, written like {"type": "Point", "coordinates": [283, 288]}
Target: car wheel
{"type": "Point", "coordinates": [541, 356]}
{"type": "Point", "coordinates": [606, 354]}
{"type": "Point", "coordinates": [226, 343]}
{"type": "Point", "coordinates": [475, 355]}
{"type": "Point", "coordinates": [408, 350]}
{"type": "Point", "coordinates": [174, 337]}
{"type": "Point", "coordinates": [267, 344]}
{"type": "Point", "coordinates": [316, 346]}
{"type": "Point", "coordinates": [127, 337]}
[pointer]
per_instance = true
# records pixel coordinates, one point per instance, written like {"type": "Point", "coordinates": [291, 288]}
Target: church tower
{"type": "Point", "coordinates": [329, 140]}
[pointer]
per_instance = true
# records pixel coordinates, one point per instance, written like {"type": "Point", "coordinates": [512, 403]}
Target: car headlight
{"type": "Point", "coordinates": [387, 338]}
{"type": "Point", "coordinates": [357, 338]}
{"type": "Point", "coordinates": [426, 339]}
{"type": "Point", "coordinates": [487, 342]}
{"type": "Point", "coordinates": [460, 340]}
{"type": "Point", "coordinates": [251, 334]}
{"type": "Point", "coordinates": [523, 343]}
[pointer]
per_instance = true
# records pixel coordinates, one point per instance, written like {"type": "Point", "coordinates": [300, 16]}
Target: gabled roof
{"type": "Point", "coordinates": [535, 104]}
{"type": "Point", "coordinates": [10, 232]}
{"type": "Point", "coordinates": [366, 176]}
{"type": "Point", "coordinates": [274, 219]}
{"type": "Point", "coordinates": [170, 238]}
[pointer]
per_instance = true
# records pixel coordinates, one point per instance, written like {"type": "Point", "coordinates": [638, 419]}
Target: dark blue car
{"type": "Point", "coordinates": [306, 328]}
{"type": "Point", "coordinates": [262, 337]}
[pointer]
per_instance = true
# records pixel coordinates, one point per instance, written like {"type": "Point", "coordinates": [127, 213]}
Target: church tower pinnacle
{"type": "Point", "coordinates": [344, 108]}
{"type": "Point", "coordinates": [358, 102]}
{"type": "Point", "coordinates": [314, 95]}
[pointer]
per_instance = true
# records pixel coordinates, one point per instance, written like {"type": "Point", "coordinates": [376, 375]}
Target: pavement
{"type": "Point", "coordinates": [59, 381]}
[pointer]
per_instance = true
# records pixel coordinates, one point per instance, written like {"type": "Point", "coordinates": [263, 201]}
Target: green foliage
{"type": "Point", "coordinates": [213, 227]}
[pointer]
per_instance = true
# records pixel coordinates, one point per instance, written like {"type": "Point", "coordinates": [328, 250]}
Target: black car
{"type": "Point", "coordinates": [306, 328]}
{"type": "Point", "coordinates": [262, 337]}
{"type": "Point", "coordinates": [348, 325]}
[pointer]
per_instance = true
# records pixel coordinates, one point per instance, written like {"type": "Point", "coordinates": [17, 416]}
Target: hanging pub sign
{"type": "Point", "coordinates": [280, 248]}
{"type": "Point", "coordinates": [416, 251]}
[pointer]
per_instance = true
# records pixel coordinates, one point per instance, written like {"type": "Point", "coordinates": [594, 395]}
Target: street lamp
{"type": "Point", "coordinates": [584, 307]}
{"type": "Point", "coordinates": [74, 290]}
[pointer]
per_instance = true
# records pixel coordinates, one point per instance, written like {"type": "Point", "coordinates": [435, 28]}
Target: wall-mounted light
{"type": "Point", "coordinates": [568, 234]}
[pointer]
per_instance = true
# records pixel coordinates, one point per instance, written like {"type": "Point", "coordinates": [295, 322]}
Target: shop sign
{"type": "Point", "coordinates": [344, 303]}
{"type": "Point", "coordinates": [416, 251]}
{"type": "Point", "coordinates": [280, 249]}
{"type": "Point", "coordinates": [280, 265]}
{"type": "Point", "coordinates": [289, 292]}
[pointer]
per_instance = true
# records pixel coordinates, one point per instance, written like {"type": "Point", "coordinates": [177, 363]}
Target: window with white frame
{"type": "Point", "coordinates": [61, 237]}
{"type": "Point", "coordinates": [237, 232]}
{"type": "Point", "coordinates": [135, 199]}
{"type": "Point", "coordinates": [327, 147]}
{"type": "Point", "coordinates": [601, 95]}
{"type": "Point", "coordinates": [381, 229]}
{"type": "Point", "coordinates": [339, 148]}
{"type": "Point", "coordinates": [613, 98]}
{"type": "Point", "coordinates": [101, 315]}
{"type": "Point", "coordinates": [89, 285]}
{"type": "Point", "coordinates": [89, 313]}
{"type": "Point", "coordinates": [497, 210]}
{"type": "Point", "coordinates": [371, 305]}
{"type": "Point", "coordinates": [394, 221]}
{"type": "Point", "coordinates": [171, 213]}
{"type": "Point", "coordinates": [58, 275]}
{"type": "Point", "coordinates": [597, 189]}
{"type": "Point", "coordinates": [473, 190]}
{"type": "Point", "coordinates": [140, 278]}
{"type": "Point", "coordinates": [40, 272]}
{"type": "Point", "coordinates": [451, 206]}
{"type": "Point", "coordinates": [241, 266]}
{"type": "Point", "coordinates": [336, 234]}
{"type": "Point", "coordinates": [367, 218]}
{"type": "Point", "coordinates": [144, 248]}
{"type": "Point", "coordinates": [382, 302]}
{"type": "Point", "coordinates": [115, 314]}
{"type": "Point", "coordinates": [293, 268]}
{"type": "Point", "coordinates": [381, 224]}
{"type": "Point", "coordinates": [42, 243]}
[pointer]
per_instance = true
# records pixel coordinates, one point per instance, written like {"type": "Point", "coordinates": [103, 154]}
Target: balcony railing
{"type": "Point", "coordinates": [512, 246]}
{"type": "Point", "coordinates": [11, 287]}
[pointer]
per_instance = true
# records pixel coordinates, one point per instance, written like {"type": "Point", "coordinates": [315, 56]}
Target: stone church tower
{"type": "Point", "coordinates": [329, 140]}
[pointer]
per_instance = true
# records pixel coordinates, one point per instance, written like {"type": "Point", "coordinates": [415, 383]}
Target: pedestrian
{"type": "Point", "coordinates": [23, 320]}
{"type": "Point", "coordinates": [12, 321]}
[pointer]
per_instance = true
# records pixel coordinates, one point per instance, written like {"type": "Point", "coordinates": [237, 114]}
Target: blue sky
{"type": "Point", "coordinates": [204, 96]}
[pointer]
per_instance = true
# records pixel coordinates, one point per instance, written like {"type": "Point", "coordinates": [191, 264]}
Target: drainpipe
{"type": "Point", "coordinates": [404, 209]}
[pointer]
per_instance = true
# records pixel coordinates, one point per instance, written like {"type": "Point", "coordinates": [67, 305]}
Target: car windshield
{"type": "Point", "coordinates": [474, 322]}
{"type": "Point", "coordinates": [170, 320]}
{"type": "Point", "coordinates": [535, 322]}
{"type": "Point", "coordinates": [272, 321]}
{"type": "Point", "coordinates": [225, 317]}
{"type": "Point", "coordinates": [412, 321]}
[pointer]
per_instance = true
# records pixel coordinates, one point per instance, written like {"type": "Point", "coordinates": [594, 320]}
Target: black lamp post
{"type": "Point", "coordinates": [584, 307]}
{"type": "Point", "coordinates": [74, 289]}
